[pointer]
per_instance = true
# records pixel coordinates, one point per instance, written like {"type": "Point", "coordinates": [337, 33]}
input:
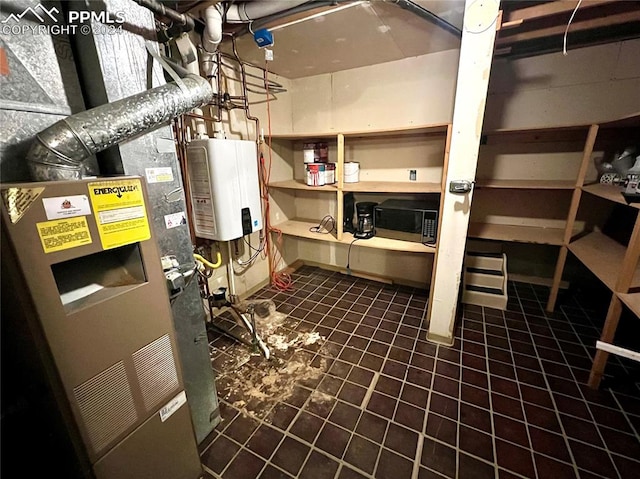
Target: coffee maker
{"type": "Point", "coordinates": [364, 213]}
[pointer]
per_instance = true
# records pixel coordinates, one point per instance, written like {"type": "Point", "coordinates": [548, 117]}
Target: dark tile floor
{"type": "Point", "coordinates": [367, 396]}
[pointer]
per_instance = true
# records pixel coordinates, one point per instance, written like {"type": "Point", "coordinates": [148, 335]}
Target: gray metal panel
{"type": "Point", "coordinates": [125, 70]}
{"type": "Point", "coordinates": [41, 87]}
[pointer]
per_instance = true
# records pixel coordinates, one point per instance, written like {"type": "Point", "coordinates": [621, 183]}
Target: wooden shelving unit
{"type": "Point", "coordinates": [435, 129]}
{"type": "Point", "coordinates": [293, 226]}
{"type": "Point", "coordinates": [302, 229]}
{"type": "Point", "coordinates": [391, 187]}
{"type": "Point", "coordinates": [604, 257]}
{"type": "Point", "coordinates": [518, 197]}
{"type": "Point", "coordinates": [526, 184]}
{"type": "Point", "coordinates": [631, 301]}
{"type": "Point", "coordinates": [615, 264]}
{"type": "Point", "coordinates": [516, 234]}
{"type": "Point", "coordinates": [608, 192]}
{"type": "Point", "coordinates": [301, 185]}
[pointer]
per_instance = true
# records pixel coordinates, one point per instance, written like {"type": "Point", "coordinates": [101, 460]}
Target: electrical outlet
{"type": "Point", "coordinates": [412, 175]}
{"type": "Point", "coordinates": [268, 55]}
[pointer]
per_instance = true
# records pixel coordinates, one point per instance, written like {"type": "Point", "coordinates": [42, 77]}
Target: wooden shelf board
{"type": "Point", "coordinates": [632, 300]}
{"type": "Point", "coordinates": [392, 187]}
{"type": "Point", "coordinates": [608, 192]}
{"type": "Point", "coordinates": [408, 130]}
{"type": "Point", "coordinates": [630, 120]}
{"type": "Point", "coordinates": [300, 228]}
{"type": "Point", "coordinates": [553, 131]}
{"type": "Point", "coordinates": [603, 256]}
{"type": "Point", "coordinates": [301, 185]}
{"type": "Point", "coordinates": [516, 233]}
{"type": "Point", "coordinates": [526, 184]}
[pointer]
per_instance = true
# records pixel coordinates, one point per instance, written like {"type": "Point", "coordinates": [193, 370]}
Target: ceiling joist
{"type": "Point", "coordinates": [540, 28]}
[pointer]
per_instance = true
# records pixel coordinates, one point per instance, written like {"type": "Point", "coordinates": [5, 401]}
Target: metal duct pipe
{"type": "Point", "coordinates": [58, 151]}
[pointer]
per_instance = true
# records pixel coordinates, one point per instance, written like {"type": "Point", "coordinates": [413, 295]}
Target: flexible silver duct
{"type": "Point", "coordinates": [58, 152]}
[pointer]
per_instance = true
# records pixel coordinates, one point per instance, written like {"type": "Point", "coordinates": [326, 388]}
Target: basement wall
{"type": "Point", "coordinates": [588, 85]}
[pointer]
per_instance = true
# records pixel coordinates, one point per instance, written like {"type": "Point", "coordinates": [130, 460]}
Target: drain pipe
{"type": "Point", "coordinates": [247, 11]}
{"type": "Point", "coordinates": [211, 38]}
{"type": "Point", "coordinates": [59, 151]}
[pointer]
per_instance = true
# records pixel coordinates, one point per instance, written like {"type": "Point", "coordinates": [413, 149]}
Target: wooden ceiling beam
{"type": "Point", "coordinates": [601, 22]}
{"type": "Point", "coordinates": [516, 17]}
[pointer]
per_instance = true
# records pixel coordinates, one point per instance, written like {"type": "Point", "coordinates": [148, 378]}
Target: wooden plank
{"type": "Point", "coordinates": [392, 187]}
{"type": "Point", "coordinates": [632, 301]}
{"type": "Point", "coordinates": [340, 183]}
{"type": "Point", "coordinates": [608, 333]}
{"type": "Point", "coordinates": [571, 215]}
{"type": "Point", "coordinates": [608, 192]}
{"type": "Point", "coordinates": [301, 229]}
{"type": "Point", "coordinates": [557, 278]}
{"type": "Point", "coordinates": [582, 173]}
{"type": "Point", "coordinates": [443, 189]}
{"type": "Point", "coordinates": [548, 9]}
{"type": "Point", "coordinates": [604, 257]}
{"type": "Point", "coordinates": [526, 184]}
{"type": "Point", "coordinates": [301, 185]}
{"type": "Point", "coordinates": [606, 21]}
{"type": "Point", "coordinates": [476, 52]}
{"type": "Point", "coordinates": [437, 128]}
{"type": "Point", "coordinates": [516, 233]}
{"type": "Point", "coordinates": [626, 121]}
{"type": "Point", "coordinates": [630, 261]}
{"type": "Point", "coordinates": [551, 134]}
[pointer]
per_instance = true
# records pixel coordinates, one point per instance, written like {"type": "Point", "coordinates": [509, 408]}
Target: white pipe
{"type": "Point", "coordinates": [246, 11]}
{"type": "Point", "coordinates": [200, 126]}
{"type": "Point", "coordinates": [212, 35]}
{"type": "Point", "coordinates": [189, 54]}
{"type": "Point", "coordinates": [211, 38]}
{"type": "Point", "coordinates": [618, 351]}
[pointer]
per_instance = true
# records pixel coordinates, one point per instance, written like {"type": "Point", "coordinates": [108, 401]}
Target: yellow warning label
{"type": "Point", "coordinates": [120, 213]}
{"type": "Point", "coordinates": [57, 235]}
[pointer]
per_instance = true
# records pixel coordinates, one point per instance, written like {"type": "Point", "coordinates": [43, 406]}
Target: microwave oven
{"type": "Point", "coordinates": [409, 220]}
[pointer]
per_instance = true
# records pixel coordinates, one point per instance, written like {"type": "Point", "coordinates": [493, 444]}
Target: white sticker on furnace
{"type": "Point", "coordinates": [66, 206]}
{"type": "Point", "coordinates": [172, 406]}
{"type": "Point", "coordinates": [175, 219]}
{"type": "Point", "coordinates": [159, 175]}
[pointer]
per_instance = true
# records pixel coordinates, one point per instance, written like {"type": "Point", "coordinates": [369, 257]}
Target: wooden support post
{"type": "Point", "coordinates": [340, 182]}
{"type": "Point", "coordinates": [571, 216]}
{"type": "Point", "coordinates": [608, 333]}
{"type": "Point", "coordinates": [476, 54]}
{"type": "Point", "coordinates": [615, 307]}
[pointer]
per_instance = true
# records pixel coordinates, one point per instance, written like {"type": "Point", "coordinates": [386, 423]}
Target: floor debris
{"type": "Point", "coordinates": [253, 384]}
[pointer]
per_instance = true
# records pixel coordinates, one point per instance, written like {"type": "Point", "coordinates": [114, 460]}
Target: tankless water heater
{"type": "Point", "coordinates": [225, 192]}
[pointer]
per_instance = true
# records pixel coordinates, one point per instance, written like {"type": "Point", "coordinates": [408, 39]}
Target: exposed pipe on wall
{"type": "Point", "coordinates": [58, 152]}
{"type": "Point", "coordinates": [245, 12]}
{"type": "Point", "coordinates": [185, 22]}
